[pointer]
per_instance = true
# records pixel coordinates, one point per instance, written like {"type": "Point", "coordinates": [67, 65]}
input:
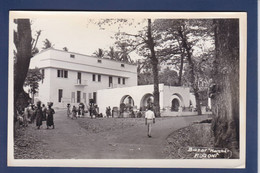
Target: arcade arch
{"type": "Point", "coordinates": [147, 100]}
{"type": "Point", "coordinates": [176, 101]}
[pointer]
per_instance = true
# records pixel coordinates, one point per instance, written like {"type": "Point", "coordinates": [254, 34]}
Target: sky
{"type": "Point", "coordinates": [75, 31]}
{"type": "Point", "coordinates": [79, 35]}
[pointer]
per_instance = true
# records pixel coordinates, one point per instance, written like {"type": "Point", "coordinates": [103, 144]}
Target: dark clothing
{"type": "Point", "coordinates": [44, 113]}
{"type": "Point", "coordinates": [38, 116]}
{"type": "Point", "coordinates": [50, 113]}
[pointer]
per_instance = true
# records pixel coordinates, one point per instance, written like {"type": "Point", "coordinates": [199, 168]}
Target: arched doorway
{"type": "Point", "coordinates": [146, 101]}
{"type": "Point", "coordinates": [176, 101]}
{"type": "Point", "coordinates": [175, 105]}
{"type": "Point", "coordinates": [127, 102]}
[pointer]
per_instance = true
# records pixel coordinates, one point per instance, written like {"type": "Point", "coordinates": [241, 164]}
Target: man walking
{"type": "Point", "coordinates": [149, 120]}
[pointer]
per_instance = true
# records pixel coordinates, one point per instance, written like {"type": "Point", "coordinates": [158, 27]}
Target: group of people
{"type": "Point", "coordinates": [38, 114]}
{"type": "Point", "coordinates": [94, 112]}
{"type": "Point", "coordinates": [80, 111]}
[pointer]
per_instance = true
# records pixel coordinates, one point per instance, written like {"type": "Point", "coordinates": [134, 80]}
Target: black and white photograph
{"type": "Point", "coordinates": [127, 89]}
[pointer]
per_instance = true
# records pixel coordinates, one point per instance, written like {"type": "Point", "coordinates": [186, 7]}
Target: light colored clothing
{"type": "Point", "coordinates": [149, 115]}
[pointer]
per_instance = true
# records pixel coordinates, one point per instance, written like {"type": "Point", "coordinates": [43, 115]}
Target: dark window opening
{"type": "Point", "coordinates": [99, 78]}
{"type": "Point", "coordinates": [99, 61]}
{"type": "Point", "coordinates": [94, 97]}
{"type": "Point", "coordinates": [122, 65]}
{"type": "Point", "coordinates": [79, 78]}
{"type": "Point", "coordinates": [58, 73]}
{"type": "Point", "coordinates": [60, 95]}
{"type": "Point", "coordinates": [62, 73]}
{"type": "Point", "coordinates": [78, 96]}
{"type": "Point", "coordinates": [72, 56]}
{"type": "Point", "coordinates": [65, 74]}
{"type": "Point", "coordinates": [43, 74]}
{"type": "Point", "coordinates": [110, 81]}
{"type": "Point", "coordinates": [119, 80]}
{"type": "Point", "coordinates": [123, 81]}
{"type": "Point", "coordinates": [93, 77]}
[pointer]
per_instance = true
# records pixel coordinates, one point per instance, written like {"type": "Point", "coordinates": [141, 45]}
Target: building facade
{"type": "Point", "coordinates": [74, 78]}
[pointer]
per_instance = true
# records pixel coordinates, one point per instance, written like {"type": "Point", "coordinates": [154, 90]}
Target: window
{"type": "Point", "coordinates": [73, 97]}
{"type": "Point", "coordinates": [43, 74]}
{"type": "Point", "coordinates": [62, 73]}
{"type": "Point", "coordinates": [122, 65]}
{"type": "Point", "coordinates": [90, 95]}
{"type": "Point", "coordinates": [93, 77]}
{"type": "Point", "coordinates": [58, 73]}
{"type": "Point", "coordinates": [119, 80]}
{"type": "Point", "coordinates": [95, 97]}
{"type": "Point", "coordinates": [99, 61]}
{"type": "Point", "coordinates": [72, 56]}
{"type": "Point", "coordinates": [78, 96]}
{"type": "Point", "coordinates": [99, 78]}
{"type": "Point", "coordinates": [65, 74]}
{"type": "Point", "coordinates": [110, 81]}
{"type": "Point", "coordinates": [79, 78]}
{"type": "Point", "coordinates": [60, 95]}
{"type": "Point", "coordinates": [123, 81]}
{"type": "Point", "coordinates": [85, 97]}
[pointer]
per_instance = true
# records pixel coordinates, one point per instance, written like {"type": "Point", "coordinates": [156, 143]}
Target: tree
{"type": "Point", "coordinates": [123, 52]}
{"type": "Point", "coordinates": [32, 81]}
{"type": "Point", "coordinates": [23, 54]}
{"type": "Point", "coordinates": [47, 44]}
{"type": "Point", "coordinates": [182, 37]}
{"type": "Point", "coordinates": [35, 50]}
{"type": "Point", "coordinates": [168, 77]}
{"type": "Point", "coordinates": [225, 92]}
{"type": "Point", "coordinates": [112, 54]}
{"type": "Point", "coordinates": [99, 53]}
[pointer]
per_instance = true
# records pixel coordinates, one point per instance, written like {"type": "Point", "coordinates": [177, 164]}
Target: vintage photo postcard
{"type": "Point", "coordinates": [127, 89]}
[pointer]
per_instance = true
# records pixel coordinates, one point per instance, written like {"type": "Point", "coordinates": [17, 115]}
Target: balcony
{"type": "Point", "coordinates": [80, 82]}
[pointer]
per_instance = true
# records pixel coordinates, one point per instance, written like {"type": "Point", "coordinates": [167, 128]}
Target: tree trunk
{"type": "Point", "coordinates": [181, 69]}
{"type": "Point", "coordinates": [22, 41]}
{"type": "Point", "coordinates": [225, 100]}
{"type": "Point", "coordinates": [194, 83]}
{"type": "Point", "coordinates": [154, 61]}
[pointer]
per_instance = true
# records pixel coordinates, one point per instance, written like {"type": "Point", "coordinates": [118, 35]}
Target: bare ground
{"type": "Point", "coordinates": [104, 138]}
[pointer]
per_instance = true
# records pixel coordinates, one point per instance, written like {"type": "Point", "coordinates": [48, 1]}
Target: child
{"type": "Point", "coordinates": [149, 120]}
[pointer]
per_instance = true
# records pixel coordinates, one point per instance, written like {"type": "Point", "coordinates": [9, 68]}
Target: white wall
{"type": "Point", "coordinates": [61, 59]}
{"type": "Point", "coordinates": [51, 60]}
{"type": "Point", "coordinates": [168, 91]}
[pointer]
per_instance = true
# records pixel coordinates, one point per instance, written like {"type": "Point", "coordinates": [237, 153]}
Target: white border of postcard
{"type": "Point", "coordinates": [144, 163]}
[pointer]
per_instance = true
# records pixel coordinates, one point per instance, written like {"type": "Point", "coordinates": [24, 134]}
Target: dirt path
{"type": "Point", "coordinates": [70, 140]}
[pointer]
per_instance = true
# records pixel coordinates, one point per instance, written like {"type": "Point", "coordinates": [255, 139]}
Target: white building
{"type": "Point", "coordinates": [171, 98]}
{"type": "Point", "coordinates": [74, 78]}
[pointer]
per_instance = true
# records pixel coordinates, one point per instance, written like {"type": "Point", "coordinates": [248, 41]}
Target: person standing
{"type": "Point", "coordinates": [149, 120]}
{"type": "Point", "coordinates": [44, 109]}
{"type": "Point", "coordinates": [74, 112]}
{"type": "Point", "coordinates": [50, 112]}
{"type": "Point", "coordinates": [38, 115]}
{"type": "Point", "coordinates": [68, 110]}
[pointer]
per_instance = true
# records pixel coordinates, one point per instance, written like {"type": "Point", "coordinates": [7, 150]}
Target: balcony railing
{"type": "Point", "coordinates": [79, 82]}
